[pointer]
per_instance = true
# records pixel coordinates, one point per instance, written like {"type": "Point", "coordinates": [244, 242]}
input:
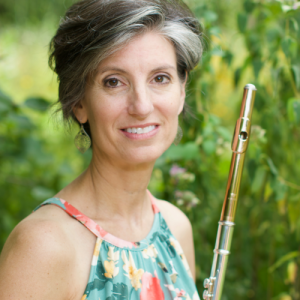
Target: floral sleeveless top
{"type": "Point", "coordinates": [152, 269]}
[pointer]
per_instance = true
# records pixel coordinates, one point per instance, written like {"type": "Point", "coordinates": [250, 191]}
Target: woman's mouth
{"type": "Point", "coordinates": [139, 130]}
{"type": "Point", "coordinates": [138, 133]}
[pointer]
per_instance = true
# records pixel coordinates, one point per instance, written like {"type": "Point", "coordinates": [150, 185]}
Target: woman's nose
{"type": "Point", "coordinates": [140, 102]}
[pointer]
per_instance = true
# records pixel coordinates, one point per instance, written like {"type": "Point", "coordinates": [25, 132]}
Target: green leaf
{"type": "Point", "coordinates": [296, 73]}
{"type": "Point", "coordinates": [289, 47]}
{"type": "Point", "coordinates": [38, 104]}
{"type": "Point", "coordinates": [296, 107]}
{"type": "Point", "coordinates": [295, 24]}
{"type": "Point", "coordinates": [274, 7]}
{"type": "Point", "coordinates": [293, 213]}
{"type": "Point", "coordinates": [19, 122]}
{"type": "Point", "coordinates": [213, 119]}
{"type": "Point", "coordinates": [187, 151]}
{"type": "Point", "coordinates": [227, 57]}
{"type": "Point", "coordinates": [6, 102]}
{"type": "Point", "coordinates": [209, 146]}
{"type": "Point", "coordinates": [293, 110]}
{"type": "Point", "coordinates": [210, 16]}
{"type": "Point", "coordinates": [273, 34]}
{"type": "Point", "coordinates": [216, 31]}
{"type": "Point", "coordinates": [272, 167]}
{"type": "Point", "coordinates": [217, 52]}
{"type": "Point", "coordinates": [284, 259]}
{"type": "Point", "coordinates": [257, 65]}
{"type": "Point", "coordinates": [249, 6]}
{"type": "Point", "coordinates": [42, 193]}
{"type": "Point", "coordinates": [258, 181]}
{"type": "Point", "coordinates": [242, 20]}
{"type": "Point", "coordinates": [191, 150]}
{"type": "Point", "coordinates": [237, 76]}
{"type": "Point", "coordinates": [252, 166]}
{"type": "Point", "coordinates": [279, 189]}
{"type": "Point", "coordinates": [267, 192]}
{"type": "Point", "coordinates": [224, 133]}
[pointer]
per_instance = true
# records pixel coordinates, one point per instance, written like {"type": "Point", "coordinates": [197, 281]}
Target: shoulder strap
{"type": "Point", "coordinates": [92, 225]}
{"type": "Point", "coordinates": [76, 214]}
{"type": "Point", "coordinates": [154, 204]}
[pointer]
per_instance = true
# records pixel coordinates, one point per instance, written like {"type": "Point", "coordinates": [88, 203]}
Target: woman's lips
{"type": "Point", "coordinates": [141, 133]}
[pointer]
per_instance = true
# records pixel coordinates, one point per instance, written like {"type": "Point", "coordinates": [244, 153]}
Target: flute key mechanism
{"type": "Point", "coordinates": [209, 285]}
{"type": "Point", "coordinates": [214, 284]}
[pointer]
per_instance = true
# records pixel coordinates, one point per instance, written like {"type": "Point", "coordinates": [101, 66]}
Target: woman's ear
{"type": "Point", "coordinates": [80, 112]}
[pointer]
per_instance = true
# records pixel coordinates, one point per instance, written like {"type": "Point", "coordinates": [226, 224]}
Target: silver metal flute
{"type": "Point", "coordinates": [214, 284]}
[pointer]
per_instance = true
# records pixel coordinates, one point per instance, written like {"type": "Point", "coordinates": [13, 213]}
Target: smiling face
{"type": "Point", "coordinates": [134, 101]}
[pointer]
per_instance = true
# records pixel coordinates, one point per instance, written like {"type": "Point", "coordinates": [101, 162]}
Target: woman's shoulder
{"type": "Point", "coordinates": [37, 255]}
{"type": "Point", "coordinates": [181, 228]}
{"type": "Point", "coordinates": [45, 227]}
{"type": "Point", "coordinates": [177, 221]}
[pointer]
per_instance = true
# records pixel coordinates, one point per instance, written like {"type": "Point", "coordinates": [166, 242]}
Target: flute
{"type": "Point", "coordinates": [214, 284]}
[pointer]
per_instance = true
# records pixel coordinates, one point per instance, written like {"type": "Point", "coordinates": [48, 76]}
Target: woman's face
{"type": "Point", "coordinates": [133, 104]}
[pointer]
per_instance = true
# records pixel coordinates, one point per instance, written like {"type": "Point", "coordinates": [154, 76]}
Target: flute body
{"type": "Point", "coordinates": [214, 284]}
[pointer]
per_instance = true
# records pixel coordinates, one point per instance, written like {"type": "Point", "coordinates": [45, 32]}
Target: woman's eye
{"type": "Point", "coordinates": [112, 82]}
{"type": "Point", "coordinates": [161, 79]}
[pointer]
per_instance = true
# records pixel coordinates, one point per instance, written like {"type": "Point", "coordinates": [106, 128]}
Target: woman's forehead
{"type": "Point", "coordinates": [150, 50]}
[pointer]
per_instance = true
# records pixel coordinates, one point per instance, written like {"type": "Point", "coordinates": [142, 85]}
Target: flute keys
{"type": "Point", "coordinates": [206, 283]}
{"type": "Point", "coordinates": [207, 296]}
{"type": "Point", "coordinates": [209, 285]}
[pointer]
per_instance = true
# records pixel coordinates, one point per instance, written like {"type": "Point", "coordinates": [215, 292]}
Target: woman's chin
{"type": "Point", "coordinates": [132, 156]}
{"type": "Point", "coordinates": [142, 158]}
{"type": "Point", "coordinates": [147, 155]}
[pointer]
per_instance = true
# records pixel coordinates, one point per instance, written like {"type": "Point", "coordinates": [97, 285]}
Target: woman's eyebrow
{"type": "Point", "coordinates": [105, 69]}
{"type": "Point", "coordinates": [164, 67]}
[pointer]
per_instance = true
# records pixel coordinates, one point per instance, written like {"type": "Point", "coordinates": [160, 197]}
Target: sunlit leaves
{"type": "Point", "coordinates": [36, 103]}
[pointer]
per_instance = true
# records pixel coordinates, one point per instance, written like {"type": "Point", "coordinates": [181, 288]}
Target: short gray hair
{"type": "Point", "coordinates": [94, 29]}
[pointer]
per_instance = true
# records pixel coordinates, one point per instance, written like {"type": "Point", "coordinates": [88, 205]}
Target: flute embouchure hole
{"type": "Point", "coordinates": [243, 135]}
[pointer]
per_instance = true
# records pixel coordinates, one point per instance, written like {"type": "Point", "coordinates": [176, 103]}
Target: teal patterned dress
{"type": "Point", "coordinates": [152, 269]}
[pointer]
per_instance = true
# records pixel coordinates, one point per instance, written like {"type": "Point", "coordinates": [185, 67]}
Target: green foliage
{"type": "Point", "coordinates": [32, 11]}
{"type": "Point", "coordinates": [266, 240]}
{"type": "Point", "coordinates": [249, 41]}
{"type": "Point", "coordinates": [30, 171]}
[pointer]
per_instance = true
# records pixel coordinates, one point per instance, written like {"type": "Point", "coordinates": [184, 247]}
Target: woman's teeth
{"type": "Point", "coordinates": [140, 130]}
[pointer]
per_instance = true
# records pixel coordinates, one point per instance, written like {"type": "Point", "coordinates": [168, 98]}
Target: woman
{"type": "Point", "coordinates": [122, 67]}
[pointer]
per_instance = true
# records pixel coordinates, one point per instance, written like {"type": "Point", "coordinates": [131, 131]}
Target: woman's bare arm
{"type": "Point", "coordinates": [35, 264]}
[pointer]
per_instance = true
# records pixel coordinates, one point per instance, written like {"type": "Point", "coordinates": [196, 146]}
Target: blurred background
{"type": "Point", "coordinates": [252, 41]}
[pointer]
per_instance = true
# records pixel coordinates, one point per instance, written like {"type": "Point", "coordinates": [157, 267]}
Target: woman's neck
{"type": "Point", "coordinates": [109, 192]}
